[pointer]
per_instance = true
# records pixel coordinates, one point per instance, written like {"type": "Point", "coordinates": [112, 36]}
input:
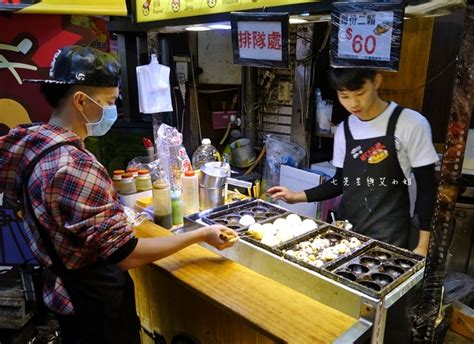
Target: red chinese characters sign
{"type": "Point", "coordinates": [260, 42]}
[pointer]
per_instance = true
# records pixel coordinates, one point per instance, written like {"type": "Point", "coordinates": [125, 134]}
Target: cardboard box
{"type": "Point", "coordinates": [462, 320]}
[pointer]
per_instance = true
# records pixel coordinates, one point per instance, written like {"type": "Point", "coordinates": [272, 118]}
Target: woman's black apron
{"type": "Point", "coordinates": [375, 190]}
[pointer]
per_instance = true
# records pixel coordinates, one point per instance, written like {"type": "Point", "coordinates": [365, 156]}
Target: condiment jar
{"type": "Point", "coordinates": [127, 184]}
{"type": "Point", "coordinates": [177, 207]}
{"type": "Point", "coordinates": [143, 181]}
{"type": "Point", "coordinates": [162, 203]}
{"type": "Point", "coordinates": [116, 178]}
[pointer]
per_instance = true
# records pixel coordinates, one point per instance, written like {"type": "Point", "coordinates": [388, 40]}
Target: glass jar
{"type": "Point", "coordinates": [143, 181]}
{"type": "Point", "coordinates": [117, 178]}
{"type": "Point", "coordinates": [127, 184]}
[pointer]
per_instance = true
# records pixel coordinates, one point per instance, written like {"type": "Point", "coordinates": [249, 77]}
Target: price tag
{"type": "Point", "coordinates": [365, 36]}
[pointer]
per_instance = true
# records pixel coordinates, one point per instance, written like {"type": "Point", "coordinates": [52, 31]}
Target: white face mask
{"type": "Point", "coordinates": [102, 126]}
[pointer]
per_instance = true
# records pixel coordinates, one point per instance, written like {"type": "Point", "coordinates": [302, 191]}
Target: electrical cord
{"type": "Point", "coordinates": [257, 161]}
{"type": "Point", "coordinates": [226, 133]}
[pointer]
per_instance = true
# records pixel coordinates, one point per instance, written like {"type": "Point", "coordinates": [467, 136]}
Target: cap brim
{"type": "Point", "coordinates": [47, 81]}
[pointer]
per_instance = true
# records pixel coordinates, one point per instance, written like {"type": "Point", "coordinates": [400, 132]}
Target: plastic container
{"type": "Point", "coordinates": [177, 208]}
{"type": "Point", "coordinates": [117, 178]}
{"type": "Point", "coordinates": [190, 186]}
{"type": "Point", "coordinates": [162, 203]}
{"type": "Point", "coordinates": [206, 152]}
{"type": "Point", "coordinates": [127, 184]}
{"type": "Point", "coordinates": [143, 181]}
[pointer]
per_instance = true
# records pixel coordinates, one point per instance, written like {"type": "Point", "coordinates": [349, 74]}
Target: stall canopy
{"type": "Point", "coordinates": [73, 7]}
{"type": "Point", "coordinates": [148, 10]}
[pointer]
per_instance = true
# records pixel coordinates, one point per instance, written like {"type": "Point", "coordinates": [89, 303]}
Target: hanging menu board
{"type": "Point", "coordinates": [366, 35]}
{"type": "Point", "coordinates": [152, 10]}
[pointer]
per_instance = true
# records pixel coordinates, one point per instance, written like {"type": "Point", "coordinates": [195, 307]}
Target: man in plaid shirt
{"type": "Point", "coordinates": [74, 223]}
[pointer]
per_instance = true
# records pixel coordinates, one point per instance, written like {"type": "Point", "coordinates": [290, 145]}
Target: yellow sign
{"type": "Point", "coordinates": [153, 10]}
{"type": "Point", "coordinates": [77, 7]}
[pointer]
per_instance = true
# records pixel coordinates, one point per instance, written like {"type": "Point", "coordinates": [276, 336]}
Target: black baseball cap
{"type": "Point", "coordinates": [81, 65]}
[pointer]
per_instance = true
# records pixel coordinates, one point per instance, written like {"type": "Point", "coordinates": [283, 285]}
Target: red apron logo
{"type": "Point", "coordinates": [375, 154]}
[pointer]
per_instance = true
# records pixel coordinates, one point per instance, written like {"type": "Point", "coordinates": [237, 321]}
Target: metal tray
{"type": "Point", "coordinates": [378, 268]}
{"type": "Point", "coordinates": [260, 210]}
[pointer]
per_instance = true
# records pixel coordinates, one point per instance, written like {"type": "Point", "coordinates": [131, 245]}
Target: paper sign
{"type": "Point", "coordinates": [260, 39]}
{"type": "Point", "coordinates": [365, 36]}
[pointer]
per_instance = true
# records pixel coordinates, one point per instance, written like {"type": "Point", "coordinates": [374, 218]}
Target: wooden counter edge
{"type": "Point", "coordinates": [270, 307]}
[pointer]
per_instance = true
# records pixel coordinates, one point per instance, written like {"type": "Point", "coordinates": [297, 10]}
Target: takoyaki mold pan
{"type": "Point", "coordinates": [378, 269]}
{"type": "Point", "coordinates": [334, 235]}
{"type": "Point", "coordinates": [259, 210]}
{"type": "Point", "coordinates": [276, 249]}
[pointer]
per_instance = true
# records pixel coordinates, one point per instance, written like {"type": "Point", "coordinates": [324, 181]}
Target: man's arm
{"type": "Point", "coordinates": [88, 209]}
{"type": "Point", "coordinates": [329, 189]}
{"type": "Point", "coordinates": [426, 185]}
{"type": "Point", "coordinates": [149, 250]}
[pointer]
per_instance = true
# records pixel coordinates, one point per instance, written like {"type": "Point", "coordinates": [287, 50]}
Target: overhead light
{"type": "Point", "coordinates": [295, 20]}
{"type": "Point", "coordinates": [197, 28]}
{"type": "Point", "coordinates": [220, 26]}
{"type": "Point", "coordinates": [304, 14]}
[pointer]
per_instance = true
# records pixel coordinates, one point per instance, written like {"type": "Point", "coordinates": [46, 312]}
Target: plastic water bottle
{"type": "Point", "coordinates": [190, 186]}
{"type": "Point", "coordinates": [205, 153]}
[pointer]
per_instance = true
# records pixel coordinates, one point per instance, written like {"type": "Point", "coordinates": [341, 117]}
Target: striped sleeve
{"type": "Point", "coordinates": [80, 195]}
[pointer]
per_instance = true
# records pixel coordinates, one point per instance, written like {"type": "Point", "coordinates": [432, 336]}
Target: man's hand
{"type": "Point", "coordinates": [219, 236]}
{"type": "Point", "coordinates": [288, 196]}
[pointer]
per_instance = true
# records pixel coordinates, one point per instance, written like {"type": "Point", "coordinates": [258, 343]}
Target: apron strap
{"type": "Point", "coordinates": [347, 131]}
{"type": "Point", "coordinates": [58, 265]}
{"type": "Point", "coordinates": [392, 123]}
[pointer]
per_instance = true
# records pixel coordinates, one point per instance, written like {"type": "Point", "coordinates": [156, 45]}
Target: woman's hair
{"type": "Point", "coordinates": [350, 79]}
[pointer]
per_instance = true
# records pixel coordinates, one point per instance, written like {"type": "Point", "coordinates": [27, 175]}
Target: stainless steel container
{"type": "Point", "coordinates": [211, 197]}
{"type": "Point", "coordinates": [213, 176]}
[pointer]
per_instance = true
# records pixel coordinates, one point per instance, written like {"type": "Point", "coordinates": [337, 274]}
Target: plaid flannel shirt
{"type": "Point", "coordinates": [73, 199]}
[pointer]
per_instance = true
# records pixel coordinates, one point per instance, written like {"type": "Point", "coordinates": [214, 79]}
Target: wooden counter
{"type": "Point", "coordinates": [219, 301]}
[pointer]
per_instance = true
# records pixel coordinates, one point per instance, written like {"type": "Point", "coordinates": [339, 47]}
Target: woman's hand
{"type": "Point", "coordinates": [220, 236]}
{"type": "Point", "coordinates": [286, 195]}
